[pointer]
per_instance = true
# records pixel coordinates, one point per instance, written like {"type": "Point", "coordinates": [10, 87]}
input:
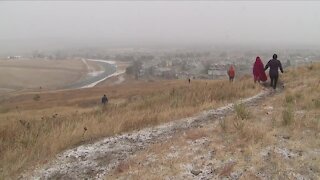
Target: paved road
{"type": "Point", "coordinates": [92, 79]}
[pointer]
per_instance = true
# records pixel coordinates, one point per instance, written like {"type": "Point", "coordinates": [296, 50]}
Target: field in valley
{"type": "Point", "coordinates": [33, 74]}
{"type": "Point", "coordinates": [22, 76]}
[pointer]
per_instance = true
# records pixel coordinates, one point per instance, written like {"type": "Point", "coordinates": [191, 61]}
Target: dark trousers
{"type": "Point", "coordinates": [274, 81]}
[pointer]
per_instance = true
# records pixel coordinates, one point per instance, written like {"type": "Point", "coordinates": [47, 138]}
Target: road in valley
{"type": "Point", "coordinates": [109, 69]}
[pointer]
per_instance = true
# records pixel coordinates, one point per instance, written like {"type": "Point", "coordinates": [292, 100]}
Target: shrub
{"type": "Point", "coordinates": [273, 122]}
{"type": "Point", "coordinates": [298, 95]}
{"type": "Point", "coordinates": [289, 98]}
{"type": "Point", "coordinates": [4, 110]}
{"type": "Point", "coordinates": [36, 97]}
{"type": "Point", "coordinates": [241, 114]}
{"type": "Point", "coordinates": [241, 111]}
{"type": "Point", "coordinates": [238, 123]}
{"type": "Point", "coordinates": [223, 125]}
{"type": "Point", "coordinates": [316, 103]}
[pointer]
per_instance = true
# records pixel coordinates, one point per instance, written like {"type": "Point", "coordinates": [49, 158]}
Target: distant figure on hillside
{"type": "Point", "coordinates": [274, 65]}
{"type": "Point", "coordinates": [258, 71]}
{"type": "Point", "coordinates": [189, 80]}
{"type": "Point", "coordinates": [104, 100]}
{"type": "Point", "coordinates": [231, 73]}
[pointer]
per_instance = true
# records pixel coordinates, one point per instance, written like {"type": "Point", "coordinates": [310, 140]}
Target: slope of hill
{"type": "Point", "coordinates": [273, 135]}
{"type": "Point", "coordinates": [278, 138]}
{"type": "Point", "coordinates": [35, 127]}
{"type": "Point", "coordinates": [99, 158]}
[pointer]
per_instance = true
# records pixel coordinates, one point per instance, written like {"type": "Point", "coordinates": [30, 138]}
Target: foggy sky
{"type": "Point", "coordinates": [231, 22]}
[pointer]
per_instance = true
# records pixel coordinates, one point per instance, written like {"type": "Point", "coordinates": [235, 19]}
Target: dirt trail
{"type": "Point", "coordinates": [95, 160]}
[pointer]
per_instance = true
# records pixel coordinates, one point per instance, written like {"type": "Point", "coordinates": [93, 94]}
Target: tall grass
{"type": "Point", "coordinates": [301, 95]}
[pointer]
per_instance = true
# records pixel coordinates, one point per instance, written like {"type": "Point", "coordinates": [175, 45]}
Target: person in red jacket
{"type": "Point", "coordinates": [231, 73]}
{"type": "Point", "coordinates": [258, 71]}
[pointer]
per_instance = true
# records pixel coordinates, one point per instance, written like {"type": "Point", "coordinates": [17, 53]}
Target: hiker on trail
{"type": "Point", "coordinates": [104, 100]}
{"type": "Point", "coordinates": [274, 65]}
{"type": "Point", "coordinates": [231, 73]}
{"type": "Point", "coordinates": [258, 71]}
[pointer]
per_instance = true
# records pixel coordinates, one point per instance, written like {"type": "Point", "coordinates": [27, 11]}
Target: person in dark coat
{"type": "Point", "coordinates": [104, 100]}
{"type": "Point", "coordinates": [274, 64]}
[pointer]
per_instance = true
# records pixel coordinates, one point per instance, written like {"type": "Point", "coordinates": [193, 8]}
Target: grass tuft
{"type": "Point", "coordinates": [289, 98]}
{"type": "Point", "coordinates": [287, 116]}
{"type": "Point", "coordinates": [241, 111]}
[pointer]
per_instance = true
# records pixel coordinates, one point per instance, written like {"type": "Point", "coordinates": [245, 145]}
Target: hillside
{"type": "Point", "coordinates": [271, 135]}
{"type": "Point", "coordinates": [277, 138]}
{"type": "Point", "coordinates": [37, 126]}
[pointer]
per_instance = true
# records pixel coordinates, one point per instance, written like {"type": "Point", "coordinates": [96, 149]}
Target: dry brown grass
{"type": "Point", "coordinates": [293, 116]}
{"type": "Point", "coordinates": [122, 167]}
{"type": "Point", "coordinates": [32, 132]}
{"type": "Point", "coordinates": [162, 165]}
{"type": "Point", "coordinates": [227, 169]}
{"type": "Point", "coordinates": [195, 134]}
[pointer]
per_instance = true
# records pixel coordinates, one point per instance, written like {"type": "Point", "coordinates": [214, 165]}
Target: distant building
{"type": "Point", "coordinates": [161, 71]}
{"type": "Point", "coordinates": [168, 63]}
{"type": "Point", "coordinates": [217, 70]}
{"type": "Point", "coordinates": [183, 75]}
{"type": "Point", "coordinates": [14, 57]}
{"type": "Point", "coordinates": [210, 71]}
{"type": "Point", "coordinates": [141, 72]}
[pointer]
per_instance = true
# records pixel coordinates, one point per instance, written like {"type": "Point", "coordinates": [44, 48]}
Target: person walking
{"type": "Point", "coordinates": [258, 71]}
{"type": "Point", "coordinates": [104, 100]}
{"type": "Point", "coordinates": [231, 73]}
{"type": "Point", "coordinates": [274, 64]}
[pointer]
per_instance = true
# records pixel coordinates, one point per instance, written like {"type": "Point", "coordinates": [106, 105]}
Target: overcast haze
{"type": "Point", "coordinates": [228, 22]}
